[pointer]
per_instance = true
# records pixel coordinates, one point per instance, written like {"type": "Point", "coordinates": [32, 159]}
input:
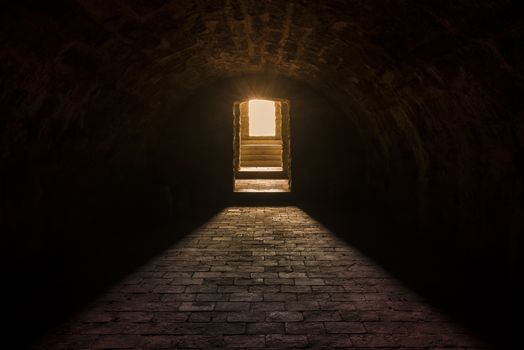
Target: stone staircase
{"type": "Point", "coordinates": [261, 159]}
{"type": "Point", "coordinates": [261, 153]}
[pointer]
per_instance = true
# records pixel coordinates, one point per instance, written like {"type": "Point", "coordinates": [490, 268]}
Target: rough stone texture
{"type": "Point", "coordinates": [188, 297]}
{"type": "Point", "coordinates": [434, 86]}
{"type": "Point", "coordinates": [103, 133]}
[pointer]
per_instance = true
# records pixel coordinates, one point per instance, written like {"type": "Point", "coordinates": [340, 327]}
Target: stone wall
{"type": "Point", "coordinates": [429, 93]}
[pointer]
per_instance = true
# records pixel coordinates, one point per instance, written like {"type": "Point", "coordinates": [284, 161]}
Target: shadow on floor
{"type": "Point", "coordinates": [48, 287]}
{"type": "Point", "coordinates": [473, 292]}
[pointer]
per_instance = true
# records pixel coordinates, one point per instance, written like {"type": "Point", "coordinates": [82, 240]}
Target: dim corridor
{"type": "Point", "coordinates": [260, 277]}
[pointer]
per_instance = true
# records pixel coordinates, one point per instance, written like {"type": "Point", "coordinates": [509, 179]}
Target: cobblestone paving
{"type": "Point", "coordinates": [260, 277]}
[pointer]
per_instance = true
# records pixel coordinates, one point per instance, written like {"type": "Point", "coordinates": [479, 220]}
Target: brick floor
{"type": "Point", "coordinates": [260, 277]}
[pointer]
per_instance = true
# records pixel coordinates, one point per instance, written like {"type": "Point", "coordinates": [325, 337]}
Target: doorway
{"type": "Point", "coordinates": [261, 146]}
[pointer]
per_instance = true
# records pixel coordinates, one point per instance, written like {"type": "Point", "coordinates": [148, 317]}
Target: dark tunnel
{"type": "Point", "coordinates": [407, 141]}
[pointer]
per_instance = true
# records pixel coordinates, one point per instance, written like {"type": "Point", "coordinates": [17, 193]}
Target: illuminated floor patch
{"type": "Point", "coordinates": [260, 277]}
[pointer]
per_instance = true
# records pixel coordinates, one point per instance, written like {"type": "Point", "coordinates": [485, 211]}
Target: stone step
{"type": "Point", "coordinates": [258, 151]}
{"type": "Point", "coordinates": [262, 185]}
{"type": "Point", "coordinates": [261, 147]}
{"type": "Point", "coordinates": [260, 163]}
{"type": "Point", "coordinates": [255, 157]}
{"type": "Point", "coordinates": [258, 142]}
{"type": "Point", "coordinates": [261, 175]}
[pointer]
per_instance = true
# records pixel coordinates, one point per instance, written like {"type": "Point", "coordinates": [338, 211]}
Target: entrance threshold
{"type": "Point", "coordinates": [261, 185]}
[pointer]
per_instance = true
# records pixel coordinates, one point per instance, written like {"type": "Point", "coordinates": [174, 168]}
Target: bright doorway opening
{"type": "Point", "coordinates": [261, 143]}
{"type": "Point", "coordinates": [262, 118]}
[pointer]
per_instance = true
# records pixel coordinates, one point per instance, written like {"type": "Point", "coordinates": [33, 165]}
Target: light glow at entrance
{"type": "Point", "coordinates": [261, 146]}
{"type": "Point", "coordinates": [262, 119]}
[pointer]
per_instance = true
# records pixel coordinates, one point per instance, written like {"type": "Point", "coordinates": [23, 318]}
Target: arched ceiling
{"type": "Point", "coordinates": [357, 47]}
{"type": "Point", "coordinates": [95, 128]}
{"type": "Point", "coordinates": [408, 72]}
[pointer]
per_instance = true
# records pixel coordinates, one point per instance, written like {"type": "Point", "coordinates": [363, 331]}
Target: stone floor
{"type": "Point", "coordinates": [262, 185]}
{"type": "Point", "coordinates": [260, 277]}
